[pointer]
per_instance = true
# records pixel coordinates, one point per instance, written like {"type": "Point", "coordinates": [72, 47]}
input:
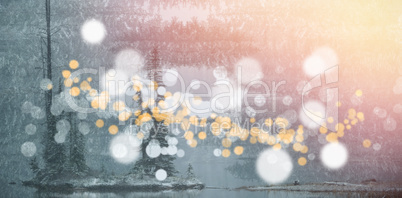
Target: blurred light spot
{"type": "Point", "coordinates": [376, 146]}
{"type": "Point", "coordinates": [389, 124]}
{"type": "Point", "coordinates": [66, 73]}
{"type": "Point", "coordinates": [180, 153]}
{"type": "Point", "coordinates": [253, 140]}
{"type": "Point", "coordinates": [277, 147]}
{"type": "Point", "coordinates": [63, 126]}
{"type": "Point", "coordinates": [302, 161]}
{"type": "Point", "coordinates": [83, 127]}
{"type": "Point", "coordinates": [398, 108]}
{"type": "Point", "coordinates": [366, 143]}
{"type": "Point", "coordinates": [202, 135]}
{"type": "Point", "coordinates": [93, 31]}
{"type": "Point", "coordinates": [359, 93]}
{"type": "Point", "coordinates": [131, 63]}
{"type": "Point", "coordinates": [28, 149]}
{"type": "Point", "coordinates": [170, 77]}
{"type": "Point", "coordinates": [160, 174]}
{"type": "Point", "coordinates": [173, 141]}
{"type": "Point", "coordinates": [225, 152]}
{"type": "Point", "coordinates": [74, 91]}
{"type": "Point", "coordinates": [60, 137]}
{"type": "Point", "coordinates": [124, 116]}
{"type": "Point", "coordinates": [334, 155]}
{"type": "Point", "coordinates": [189, 135]}
{"type": "Point", "coordinates": [99, 123]}
{"type": "Point", "coordinates": [226, 142]}
{"type": "Point", "coordinates": [113, 129]}
{"type": "Point", "coordinates": [314, 66]}
{"type": "Point", "coordinates": [297, 147]}
{"type": "Point", "coordinates": [68, 82]}
{"type": "Point", "coordinates": [321, 59]}
{"type": "Point", "coordinates": [287, 100]}
{"type": "Point", "coordinates": [73, 64]}
{"type": "Point", "coordinates": [381, 113]}
{"type": "Point", "coordinates": [360, 116]}
{"type": "Point", "coordinates": [312, 115]}
{"type": "Point", "coordinates": [192, 143]}
{"type": "Point", "coordinates": [153, 149]}
{"type": "Point", "coordinates": [30, 129]}
{"type": "Point", "coordinates": [238, 150]}
{"type": "Point", "coordinates": [274, 166]}
{"type": "Point", "coordinates": [217, 152]}
{"type": "Point", "coordinates": [311, 156]}
{"type": "Point", "coordinates": [125, 148]}
{"type": "Point", "coordinates": [85, 86]}
{"type": "Point", "coordinates": [172, 150]}
{"type": "Point", "coordinates": [220, 72]}
{"type": "Point", "coordinates": [161, 91]}
{"type": "Point", "coordinates": [332, 137]}
{"type": "Point", "coordinates": [46, 84]}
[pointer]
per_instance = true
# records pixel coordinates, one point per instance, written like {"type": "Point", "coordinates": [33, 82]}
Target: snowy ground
{"type": "Point", "coordinates": [128, 183]}
{"type": "Point", "coordinates": [333, 187]}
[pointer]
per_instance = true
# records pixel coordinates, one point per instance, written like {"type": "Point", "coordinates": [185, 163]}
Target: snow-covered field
{"type": "Point", "coordinates": [128, 183]}
{"type": "Point", "coordinates": [333, 187]}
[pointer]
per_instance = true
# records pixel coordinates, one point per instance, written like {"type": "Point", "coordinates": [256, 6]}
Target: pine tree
{"type": "Point", "coordinates": [77, 163]}
{"type": "Point", "coordinates": [54, 153]}
{"type": "Point", "coordinates": [146, 165]}
{"type": "Point", "coordinates": [154, 69]}
{"type": "Point", "coordinates": [103, 172]}
{"type": "Point", "coordinates": [34, 166]}
{"type": "Point", "coordinates": [190, 172]}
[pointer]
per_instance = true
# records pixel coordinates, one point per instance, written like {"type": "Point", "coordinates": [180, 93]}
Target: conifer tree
{"type": "Point", "coordinates": [77, 163]}
{"type": "Point", "coordinates": [190, 172]}
{"type": "Point", "coordinates": [54, 153]}
{"type": "Point", "coordinates": [34, 166]}
{"type": "Point", "coordinates": [147, 165]}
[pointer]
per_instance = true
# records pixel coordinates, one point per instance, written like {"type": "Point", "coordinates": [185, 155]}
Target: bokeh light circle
{"type": "Point", "coordinates": [334, 155]}
{"type": "Point", "coordinates": [274, 166]}
{"type": "Point", "coordinates": [28, 149]}
{"type": "Point", "coordinates": [313, 114]}
{"type": "Point", "coordinates": [93, 31]}
{"type": "Point", "coordinates": [125, 148]}
{"type": "Point", "coordinates": [30, 129]}
{"type": "Point", "coordinates": [160, 174]}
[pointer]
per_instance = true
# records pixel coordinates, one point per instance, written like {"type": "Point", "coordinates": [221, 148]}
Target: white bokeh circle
{"type": "Point", "coordinates": [274, 166]}
{"type": "Point", "coordinates": [93, 31]}
{"type": "Point", "coordinates": [334, 155]}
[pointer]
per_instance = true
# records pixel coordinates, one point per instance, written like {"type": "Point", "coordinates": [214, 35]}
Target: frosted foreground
{"type": "Point", "coordinates": [126, 183]}
{"type": "Point", "coordinates": [393, 188]}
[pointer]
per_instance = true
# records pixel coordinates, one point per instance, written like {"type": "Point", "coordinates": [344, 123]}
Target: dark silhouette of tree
{"type": "Point", "coordinates": [54, 153]}
{"type": "Point", "coordinates": [147, 165]}
{"type": "Point", "coordinates": [56, 163]}
{"type": "Point", "coordinates": [76, 164]}
{"type": "Point", "coordinates": [34, 166]}
{"type": "Point", "coordinates": [190, 172]}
